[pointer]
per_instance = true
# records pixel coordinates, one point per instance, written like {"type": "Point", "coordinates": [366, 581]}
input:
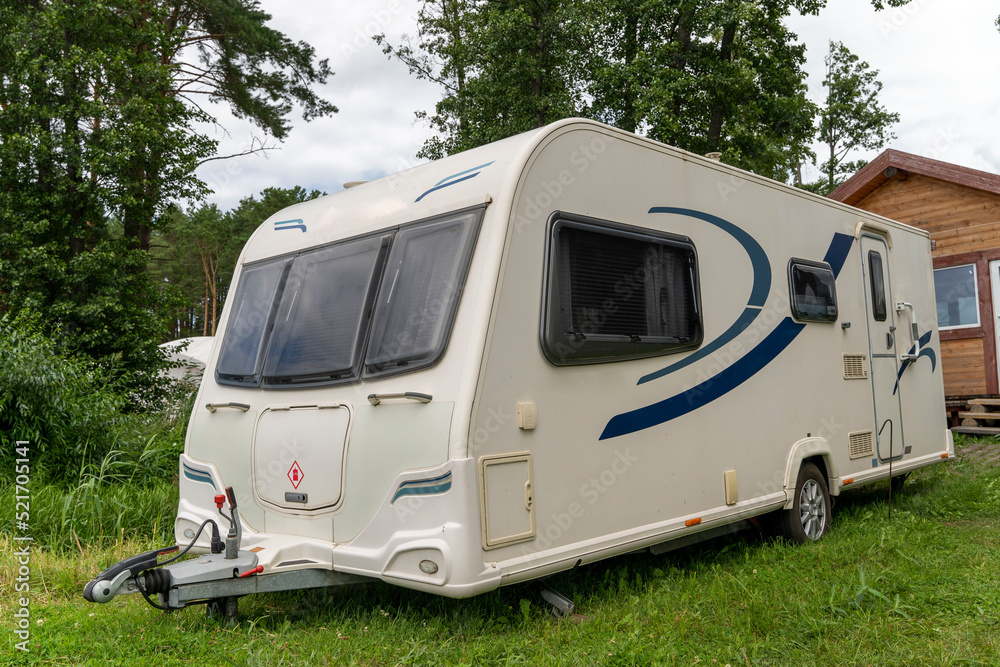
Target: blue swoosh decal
{"type": "Point", "coordinates": [423, 487]}
{"type": "Point", "coordinates": [730, 378]}
{"type": "Point", "coordinates": [924, 352]}
{"type": "Point", "coordinates": [197, 475]}
{"type": "Point", "coordinates": [290, 224]}
{"type": "Point", "coordinates": [758, 294]}
{"type": "Point", "coordinates": [709, 390]}
{"type": "Point", "coordinates": [451, 180]}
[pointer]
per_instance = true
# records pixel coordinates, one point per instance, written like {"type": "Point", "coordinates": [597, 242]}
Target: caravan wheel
{"type": "Point", "coordinates": [809, 518]}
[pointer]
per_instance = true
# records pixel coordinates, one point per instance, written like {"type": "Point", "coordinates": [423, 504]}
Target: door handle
{"type": "Point", "coordinates": [914, 331]}
{"type": "Point", "coordinates": [888, 340]}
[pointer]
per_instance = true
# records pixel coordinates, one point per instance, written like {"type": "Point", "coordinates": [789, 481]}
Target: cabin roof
{"type": "Point", "coordinates": [877, 172]}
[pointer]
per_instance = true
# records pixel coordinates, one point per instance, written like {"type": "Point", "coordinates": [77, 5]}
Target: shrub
{"type": "Point", "coordinates": [63, 406]}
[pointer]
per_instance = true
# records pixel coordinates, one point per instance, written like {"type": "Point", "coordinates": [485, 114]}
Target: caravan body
{"type": "Point", "coordinates": [566, 345]}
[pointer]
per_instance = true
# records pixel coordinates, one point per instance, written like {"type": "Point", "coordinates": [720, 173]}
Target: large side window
{"type": "Point", "coordinates": [424, 277]}
{"type": "Point", "coordinates": [616, 292]}
{"type": "Point", "coordinates": [814, 291]}
{"type": "Point", "coordinates": [957, 295]}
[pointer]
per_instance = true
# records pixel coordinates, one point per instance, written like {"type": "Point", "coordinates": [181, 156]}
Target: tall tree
{"type": "Point", "coordinates": [97, 138]}
{"type": "Point", "coordinates": [505, 66]}
{"type": "Point", "coordinates": [197, 253]}
{"type": "Point", "coordinates": [852, 117]}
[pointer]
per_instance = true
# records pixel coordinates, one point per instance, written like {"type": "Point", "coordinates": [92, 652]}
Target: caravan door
{"type": "Point", "coordinates": [882, 352]}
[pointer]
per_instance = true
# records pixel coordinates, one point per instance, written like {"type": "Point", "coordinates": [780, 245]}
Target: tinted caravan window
{"type": "Point", "coordinates": [309, 318]}
{"type": "Point", "coordinates": [424, 277]}
{"type": "Point", "coordinates": [252, 316]}
{"type": "Point", "coordinates": [616, 292]}
{"type": "Point", "coordinates": [324, 313]}
{"type": "Point", "coordinates": [877, 285]}
{"type": "Point", "coordinates": [814, 291]}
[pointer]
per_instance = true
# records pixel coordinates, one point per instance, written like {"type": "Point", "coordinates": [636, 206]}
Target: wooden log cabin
{"type": "Point", "coordinates": [960, 208]}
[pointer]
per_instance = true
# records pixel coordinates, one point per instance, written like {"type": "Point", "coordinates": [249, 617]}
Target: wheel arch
{"type": "Point", "coordinates": [809, 450]}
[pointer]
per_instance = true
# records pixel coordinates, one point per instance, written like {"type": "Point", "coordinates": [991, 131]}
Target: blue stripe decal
{"type": "Point", "coordinates": [423, 487]}
{"type": "Point", "coordinates": [463, 173]}
{"type": "Point", "coordinates": [758, 294]}
{"type": "Point", "coordinates": [758, 258]}
{"type": "Point", "coordinates": [709, 390]}
{"type": "Point", "coordinates": [924, 352]}
{"type": "Point", "coordinates": [739, 326]}
{"type": "Point", "coordinates": [198, 475]}
{"type": "Point", "coordinates": [452, 180]}
{"type": "Point", "coordinates": [730, 378]}
{"type": "Point", "coordinates": [837, 254]}
{"type": "Point", "coordinates": [290, 224]}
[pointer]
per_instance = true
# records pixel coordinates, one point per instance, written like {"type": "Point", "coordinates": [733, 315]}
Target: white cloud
{"type": "Point", "coordinates": [938, 62]}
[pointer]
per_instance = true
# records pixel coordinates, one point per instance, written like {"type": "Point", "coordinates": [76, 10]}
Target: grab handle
{"type": "Point", "coordinates": [375, 399]}
{"type": "Point", "coordinates": [212, 407]}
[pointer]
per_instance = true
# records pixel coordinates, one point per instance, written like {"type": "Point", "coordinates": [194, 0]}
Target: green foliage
{"type": "Point", "coordinates": [707, 76]}
{"type": "Point", "coordinates": [196, 255]}
{"type": "Point", "coordinates": [62, 406]}
{"type": "Point", "coordinates": [851, 117]}
{"type": "Point", "coordinates": [917, 590]}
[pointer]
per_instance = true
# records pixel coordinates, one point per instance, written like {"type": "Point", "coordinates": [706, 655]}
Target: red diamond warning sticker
{"type": "Point", "coordinates": [295, 474]}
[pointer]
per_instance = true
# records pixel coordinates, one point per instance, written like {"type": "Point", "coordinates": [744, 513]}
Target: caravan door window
{"type": "Point", "coordinates": [615, 292]}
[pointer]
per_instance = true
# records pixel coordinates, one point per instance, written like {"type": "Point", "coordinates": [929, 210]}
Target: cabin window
{"type": "Point", "coordinates": [251, 320]}
{"type": "Point", "coordinates": [424, 277]}
{"type": "Point", "coordinates": [877, 280]}
{"type": "Point", "coordinates": [324, 313]}
{"type": "Point", "coordinates": [615, 292]}
{"type": "Point", "coordinates": [814, 291]}
{"type": "Point", "coordinates": [308, 319]}
{"type": "Point", "coordinates": [957, 294]}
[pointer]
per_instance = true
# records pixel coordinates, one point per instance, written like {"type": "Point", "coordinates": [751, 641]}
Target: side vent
{"type": "Point", "coordinates": [855, 366]}
{"type": "Point", "coordinates": [861, 444]}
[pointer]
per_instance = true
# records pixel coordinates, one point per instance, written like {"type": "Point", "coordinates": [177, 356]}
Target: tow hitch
{"type": "Point", "coordinates": [173, 581]}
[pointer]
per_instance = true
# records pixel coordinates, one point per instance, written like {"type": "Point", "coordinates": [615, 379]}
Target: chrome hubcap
{"type": "Point", "coordinates": [812, 509]}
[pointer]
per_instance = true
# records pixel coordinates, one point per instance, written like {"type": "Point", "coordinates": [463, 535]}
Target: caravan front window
{"type": "Point", "coordinates": [423, 282]}
{"type": "Point", "coordinates": [306, 319]}
{"type": "Point", "coordinates": [324, 313]}
{"type": "Point", "coordinates": [253, 313]}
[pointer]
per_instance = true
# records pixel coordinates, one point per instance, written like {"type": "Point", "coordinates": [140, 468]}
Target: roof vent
{"type": "Point", "coordinates": [714, 156]}
{"type": "Point", "coordinates": [351, 184]}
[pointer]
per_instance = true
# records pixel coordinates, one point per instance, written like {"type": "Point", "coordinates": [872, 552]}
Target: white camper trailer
{"type": "Point", "coordinates": [563, 346]}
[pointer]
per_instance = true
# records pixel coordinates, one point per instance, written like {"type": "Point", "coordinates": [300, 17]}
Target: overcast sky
{"type": "Point", "coordinates": [939, 62]}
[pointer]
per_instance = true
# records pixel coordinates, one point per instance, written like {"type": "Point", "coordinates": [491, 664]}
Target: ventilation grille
{"type": "Point", "coordinates": [855, 366]}
{"type": "Point", "coordinates": [861, 444]}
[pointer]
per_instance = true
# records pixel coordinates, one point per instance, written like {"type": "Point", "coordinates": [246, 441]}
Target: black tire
{"type": "Point", "coordinates": [809, 518]}
{"type": "Point", "coordinates": [897, 483]}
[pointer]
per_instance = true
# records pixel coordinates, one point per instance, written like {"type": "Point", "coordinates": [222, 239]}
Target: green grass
{"type": "Point", "coordinates": [921, 589]}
